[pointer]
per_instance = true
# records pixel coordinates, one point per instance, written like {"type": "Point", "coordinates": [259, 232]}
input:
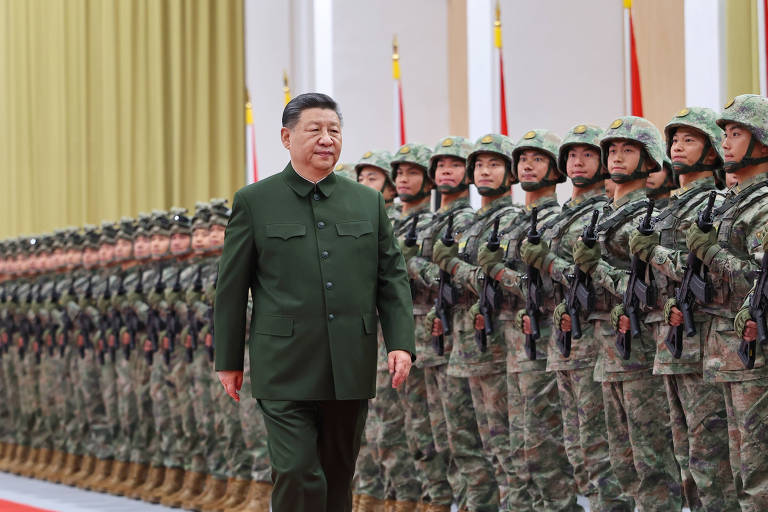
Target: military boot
{"type": "Point", "coordinates": [3, 447]}
{"type": "Point", "coordinates": [137, 475]}
{"type": "Point", "coordinates": [405, 506]}
{"type": "Point", "coordinates": [100, 473]}
{"type": "Point", "coordinates": [58, 460]}
{"type": "Point", "coordinates": [8, 456]}
{"type": "Point", "coordinates": [237, 492]}
{"type": "Point", "coordinates": [116, 478]}
{"type": "Point", "coordinates": [71, 466]}
{"type": "Point", "coordinates": [153, 481]}
{"type": "Point", "coordinates": [213, 490]}
{"type": "Point", "coordinates": [389, 505]}
{"type": "Point", "coordinates": [87, 467]}
{"type": "Point", "coordinates": [190, 488]}
{"type": "Point", "coordinates": [174, 477]}
{"type": "Point", "coordinates": [24, 460]}
{"type": "Point", "coordinates": [367, 503]}
{"type": "Point", "coordinates": [258, 498]}
{"type": "Point", "coordinates": [430, 507]}
{"type": "Point", "coordinates": [44, 460]}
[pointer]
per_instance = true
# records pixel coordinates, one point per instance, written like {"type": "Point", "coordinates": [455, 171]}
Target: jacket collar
{"type": "Point", "coordinates": [302, 186]}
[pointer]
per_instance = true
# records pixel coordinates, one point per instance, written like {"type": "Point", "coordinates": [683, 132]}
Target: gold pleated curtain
{"type": "Point", "coordinates": [111, 107]}
{"type": "Point", "coordinates": [742, 54]}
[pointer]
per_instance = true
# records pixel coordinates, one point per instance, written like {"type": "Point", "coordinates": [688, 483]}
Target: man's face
{"type": "Point", "coordinates": [159, 244]}
{"type": "Point", "coordinates": [372, 177]}
{"type": "Point", "coordinates": [409, 179]}
{"type": "Point", "coordinates": [74, 257]}
{"type": "Point", "coordinates": [315, 141]}
{"type": "Point", "coordinates": [90, 257]}
{"type": "Point", "coordinates": [656, 179]}
{"type": "Point", "coordinates": [59, 258]}
{"type": "Point", "coordinates": [200, 239]}
{"type": "Point", "coordinates": [141, 247]}
{"type": "Point", "coordinates": [583, 162]}
{"type": "Point", "coordinates": [3, 265]}
{"type": "Point", "coordinates": [687, 146]}
{"type": "Point", "coordinates": [216, 237]}
{"type": "Point", "coordinates": [623, 157]}
{"type": "Point", "coordinates": [179, 243]}
{"type": "Point", "coordinates": [106, 253]}
{"type": "Point", "coordinates": [532, 166]}
{"type": "Point", "coordinates": [123, 249]}
{"type": "Point", "coordinates": [450, 171]}
{"type": "Point", "coordinates": [489, 171]}
{"type": "Point", "coordinates": [736, 143]}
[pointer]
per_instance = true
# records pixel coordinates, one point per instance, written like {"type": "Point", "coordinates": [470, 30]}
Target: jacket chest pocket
{"type": "Point", "coordinates": [285, 231]}
{"type": "Point", "coordinates": [354, 230]}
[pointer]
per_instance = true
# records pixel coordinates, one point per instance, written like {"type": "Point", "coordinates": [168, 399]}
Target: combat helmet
{"type": "Point", "coordinates": [750, 111]}
{"type": "Point", "coordinates": [640, 131]}
{"type": "Point", "coordinates": [418, 155]}
{"type": "Point", "coordinates": [703, 120]}
{"type": "Point", "coordinates": [379, 160]}
{"type": "Point", "coordinates": [457, 147]}
{"type": "Point", "coordinates": [546, 142]}
{"type": "Point", "coordinates": [501, 146]}
{"type": "Point", "coordinates": [346, 171]}
{"type": "Point", "coordinates": [581, 135]}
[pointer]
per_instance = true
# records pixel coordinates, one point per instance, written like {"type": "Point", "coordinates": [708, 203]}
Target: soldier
{"type": "Point", "coordinates": [536, 428]}
{"type": "Point", "coordinates": [448, 170]}
{"type": "Point", "coordinates": [385, 424]}
{"type": "Point", "coordinates": [729, 254]}
{"type": "Point", "coordinates": [660, 184]}
{"type": "Point", "coordinates": [573, 361]}
{"type": "Point", "coordinates": [696, 403]}
{"type": "Point", "coordinates": [636, 410]}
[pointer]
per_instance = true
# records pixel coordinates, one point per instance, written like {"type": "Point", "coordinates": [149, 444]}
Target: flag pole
{"type": "Point", "coordinates": [252, 166]}
{"type": "Point", "coordinates": [398, 113]}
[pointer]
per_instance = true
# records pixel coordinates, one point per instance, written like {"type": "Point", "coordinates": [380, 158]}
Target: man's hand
{"type": "Point", "coordinates": [437, 327]}
{"type": "Point", "coordinates": [399, 367]}
{"type": "Point", "coordinates": [408, 252]}
{"type": "Point", "coordinates": [585, 257]}
{"type": "Point", "coordinates": [643, 245]}
{"type": "Point", "coordinates": [536, 255]}
{"type": "Point", "coordinates": [490, 260]}
{"type": "Point", "coordinates": [745, 327]}
{"type": "Point", "coordinates": [232, 380]}
{"type": "Point", "coordinates": [444, 256]}
{"type": "Point", "coordinates": [698, 241]}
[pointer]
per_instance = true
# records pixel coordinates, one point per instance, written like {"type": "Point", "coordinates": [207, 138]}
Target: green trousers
{"type": "Point", "coordinates": [313, 446]}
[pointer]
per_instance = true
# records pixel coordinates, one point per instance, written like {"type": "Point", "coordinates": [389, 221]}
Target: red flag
{"type": "Point", "coordinates": [252, 166]}
{"type": "Point", "coordinates": [637, 95]}
{"type": "Point", "coordinates": [399, 113]}
{"type": "Point", "coordinates": [502, 92]}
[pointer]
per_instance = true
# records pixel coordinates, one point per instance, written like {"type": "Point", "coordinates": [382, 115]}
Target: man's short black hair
{"type": "Point", "coordinates": [302, 102]}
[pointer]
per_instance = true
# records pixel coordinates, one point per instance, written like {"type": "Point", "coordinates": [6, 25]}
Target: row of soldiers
{"type": "Point", "coordinates": [609, 347]}
{"type": "Point", "coordinates": [106, 365]}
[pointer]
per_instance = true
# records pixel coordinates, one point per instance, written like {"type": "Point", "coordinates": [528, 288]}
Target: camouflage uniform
{"type": "Point", "coordinates": [731, 260]}
{"type": "Point", "coordinates": [636, 408]}
{"type": "Point", "coordinates": [696, 403]}
{"type": "Point", "coordinates": [464, 429]}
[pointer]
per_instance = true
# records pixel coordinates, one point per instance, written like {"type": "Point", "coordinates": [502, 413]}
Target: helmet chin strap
{"type": "Point", "coordinates": [637, 174]}
{"type": "Point", "coordinates": [461, 187]}
{"type": "Point", "coordinates": [681, 168]}
{"type": "Point", "coordinates": [545, 181]}
{"type": "Point", "coordinates": [418, 196]}
{"type": "Point", "coordinates": [501, 189]}
{"type": "Point", "coordinates": [747, 161]}
{"type": "Point", "coordinates": [581, 182]}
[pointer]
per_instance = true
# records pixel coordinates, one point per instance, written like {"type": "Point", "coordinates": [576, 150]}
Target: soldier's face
{"type": "Point", "coordinates": [59, 258]}
{"type": "Point", "coordinates": [90, 257]}
{"type": "Point", "coordinates": [141, 247]}
{"type": "Point", "coordinates": [656, 179]}
{"type": "Point", "coordinates": [623, 157]}
{"type": "Point", "coordinates": [532, 166]}
{"type": "Point", "coordinates": [200, 239]}
{"type": "Point", "coordinates": [372, 177]}
{"type": "Point", "coordinates": [74, 257]}
{"type": "Point", "coordinates": [179, 243]}
{"type": "Point", "coordinates": [3, 266]}
{"type": "Point", "coordinates": [583, 162]}
{"type": "Point", "coordinates": [123, 249]}
{"type": "Point", "coordinates": [315, 141]}
{"type": "Point", "coordinates": [489, 171]}
{"type": "Point", "coordinates": [450, 171]}
{"type": "Point", "coordinates": [687, 145]}
{"type": "Point", "coordinates": [106, 253]}
{"type": "Point", "coordinates": [216, 236]}
{"type": "Point", "coordinates": [409, 179]}
{"type": "Point", "coordinates": [736, 143]}
{"type": "Point", "coordinates": [159, 245]}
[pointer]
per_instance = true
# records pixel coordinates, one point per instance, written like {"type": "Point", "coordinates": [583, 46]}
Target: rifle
{"type": "Point", "coordinates": [209, 318]}
{"type": "Point", "coordinates": [490, 296]}
{"type": "Point", "coordinates": [411, 237]}
{"type": "Point", "coordinates": [194, 326]}
{"type": "Point", "coordinates": [758, 303]}
{"type": "Point", "coordinates": [86, 326]}
{"type": "Point", "coordinates": [695, 286]}
{"type": "Point", "coordinates": [581, 296]}
{"type": "Point", "coordinates": [638, 292]}
{"type": "Point", "coordinates": [153, 319]}
{"type": "Point", "coordinates": [533, 297]}
{"type": "Point", "coordinates": [446, 295]}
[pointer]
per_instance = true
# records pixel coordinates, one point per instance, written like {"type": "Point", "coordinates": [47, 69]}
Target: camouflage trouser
{"type": "Point", "coordinates": [368, 477]}
{"type": "Point", "coordinates": [397, 462]}
{"type": "Point", "coordinates": [436, 380]}
{"type": "Point", "coordinates": [6, 423]}
{"type": "Point", "coordinates": [73, 405]}
{"type": "Point", "coordinates": [642, 458]}
{"type": "Point", "coordinates": [99, 440]}
{"type": "Point", "coordinates": [586, 441]}
{"type": "Point", "coordinates": [144, 444]}
{"type": "Point", "coordinates": [108, 381]}
{"type": "Point", "coordinates": [12, 370]}
{"type": "Point", "coordinates": [48, 387]}
{"type": "Point", "coordinates": [551, 476]}
{"type": "Point", "coordinates": [431, 466]}
{"type": "Point", "coordinates": [127, 408]}
{"type": "Point", "coordinates": [227, 458]}
{"type": "Point", "coordinates": [61, 399]}
{"type": "Point", "coordinates": [489, 398]}
{"type": "Point", "coordinates": [30, 402]}
{"type": "Point", "coordinates": [254, 431]}
{"type": "Point", "coordinates": [700, 431]}
{"type": "Point", "coordinates": [467, 448]}
{"type": "Point", "coordinates": [747, 406]}
{"type": "Point", "coordinates": [170, 405]}
{"type": "Point", "coordinates": [200, 394]}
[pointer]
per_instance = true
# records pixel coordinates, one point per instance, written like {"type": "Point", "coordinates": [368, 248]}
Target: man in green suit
{"type": "Point", "coordinates": [318, 255]}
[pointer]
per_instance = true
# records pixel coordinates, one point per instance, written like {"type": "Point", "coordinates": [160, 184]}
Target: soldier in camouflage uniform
{"type": "Point", "coordinates": [448, 169]}
{"type": "Point", "coordinates": [729, 254]}
{"type": "Point", "coordinates": [410, 174]}
{"type": "Point", "coordinates": [636, 408]}
{"type": "Point", "coordinates": [6, 280]}
{"type": "Point", "coordinates": [385, 424]}
{"type": "Point", "coordinates": [536, 428]}
{"type": "Point", "coordinates": [660, 184]}
{"type": "Point", "coordinates": [696, 402]}
{"type": "Point", "coordinates": [581, 399]}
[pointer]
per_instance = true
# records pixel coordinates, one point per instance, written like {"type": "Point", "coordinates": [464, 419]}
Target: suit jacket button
{"type": "Point", "coordinates": [324, 254]}
{"type": "Point", "coordinates": [316, 197]}
{"type": "Point", "coordinates": [329, 285]}
{"type": "Point", "coordinates": [331, 316]}
{"type": "Point", "coordinates": [320, 225]}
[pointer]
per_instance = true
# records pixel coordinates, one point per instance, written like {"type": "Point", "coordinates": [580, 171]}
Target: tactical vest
{"type": "Point", "coordinates": [439, 223]}
{"type": "Point", "coordinates": [471, 241]}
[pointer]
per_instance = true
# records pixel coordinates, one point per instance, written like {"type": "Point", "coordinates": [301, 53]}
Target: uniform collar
{"type": "Point", "coordinates": [496, 204]}
{"type": "Point", "coordinates": [635, 195]}
{"type": "Point", "coordinates": [302, 186]}
{"type": "Point", "coordinates": [583, 197]}
{"type": "Point", "coordinates": [707, 183]}
{"type": "Point", "coordinates": [736, 189]}
{"type": "Point", "coordinates": [462, 202]}
{"type": "Point", "coordinates": [541, 203]}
